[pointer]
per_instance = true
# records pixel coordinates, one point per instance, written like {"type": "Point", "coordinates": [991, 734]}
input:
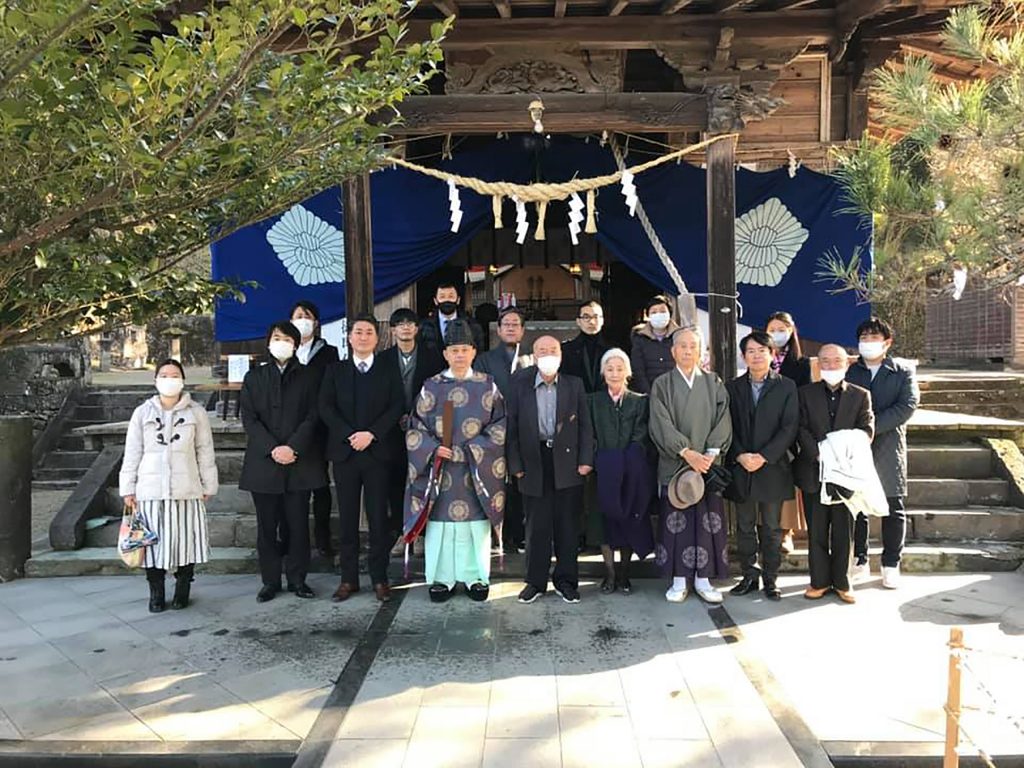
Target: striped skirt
{"type": "Point", "coordinates": [180, 525]}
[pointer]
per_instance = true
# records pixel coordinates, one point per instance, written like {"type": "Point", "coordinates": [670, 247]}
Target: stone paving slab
{"type": "Point", "coordinates": [82, 659]}
{"type": "Point", "coordinates": [615, 680]}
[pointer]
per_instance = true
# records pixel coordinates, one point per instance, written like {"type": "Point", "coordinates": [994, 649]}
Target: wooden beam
{"type": "Point", "coordinates": [673, 6]}
{"type": "Point", "coordinates": [850, 14]}
{"type": "Point", "coordinates": [786, 5]}
{"type": "Point", "coordinates": [560, 8]}
{"type": "Point", "coordinates": [724, 6]}
{"type": "Point", "coordinates": [355, 194]}
{"type": "Point", "coordinates": [721, 234]}
{"type": "Point", "coordinates": [447, 7]}
{"type": "Point", "coordinates": [563, 113]}
{"type": "Point", "coordinates": [504, 8]}
{"type": "Point", "coordinates": [615, 7]}
{"type": "Point", "coordinates": [810, 27]}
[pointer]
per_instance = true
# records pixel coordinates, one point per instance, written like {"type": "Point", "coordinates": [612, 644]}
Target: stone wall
{"type": "Point", "coordinates": [35, 379]}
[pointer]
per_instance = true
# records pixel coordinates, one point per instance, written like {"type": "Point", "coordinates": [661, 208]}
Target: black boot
{"type": "Point", "coordinates": [155, 577]}
{"type": "Point", "coordinates": [182, 586]}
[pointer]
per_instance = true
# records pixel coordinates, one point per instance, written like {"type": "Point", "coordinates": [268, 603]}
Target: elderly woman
{"type": "Point", "coordinates": [167, 474]}
{"type": "Point", "coordinates": [691, 428]}
{"type": "Point", "coordinates": [625, 481]}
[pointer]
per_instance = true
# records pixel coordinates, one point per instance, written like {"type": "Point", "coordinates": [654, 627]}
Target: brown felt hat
{"type": "Point", "coordinates": [685, 488]}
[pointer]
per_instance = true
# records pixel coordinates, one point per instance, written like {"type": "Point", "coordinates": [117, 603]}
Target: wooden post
{"type": "Point", "coordinates": [721, 233]}
{"type": "Point", "coordinates": [951, 758]}
{"type": "Point", "coordinates": [355, 197]}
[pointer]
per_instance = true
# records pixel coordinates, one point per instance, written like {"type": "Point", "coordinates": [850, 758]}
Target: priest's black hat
{"type": "Point", "coordinates": [459, 332]}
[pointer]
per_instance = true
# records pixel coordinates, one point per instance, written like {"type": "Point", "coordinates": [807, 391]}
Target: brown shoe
{"type": "Point", "coordinates": [344, 592]}
{"type": "Point", "coordinates": [815, 593]}
{"type": "Point", "coordinates": [383, 592]}
{"type": "Point", "coordinates": [846, 596]}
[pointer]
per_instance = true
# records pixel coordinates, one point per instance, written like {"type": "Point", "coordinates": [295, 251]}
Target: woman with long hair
{"type": "Point", "coordinates": [316, 354]}
{"type": "Point", "coordinates": [168, 473]}
{"type": "Point", "coordinates": [788, 361]}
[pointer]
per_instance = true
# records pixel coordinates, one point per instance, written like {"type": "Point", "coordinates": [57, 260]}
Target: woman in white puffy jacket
{"type": "Point", "coordinates": [167, 474]}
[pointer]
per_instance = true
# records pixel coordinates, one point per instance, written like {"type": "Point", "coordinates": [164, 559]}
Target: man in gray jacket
{"type": "Point", "coordinates": [894, 398]}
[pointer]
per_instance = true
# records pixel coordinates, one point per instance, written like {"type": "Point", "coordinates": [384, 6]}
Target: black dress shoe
{"type": "Point", "coordinates": [478, 592]}
{"type": "Point", "coordinates": [266, 592]}
{"type": "Point", "coordinates": [301, 590]}
{"type": "Point", "coordinates": [439, 593]}
{"type": "Point", "coordinates": [747, 585]}
{"type": "Point", "coordinates": [771, 591]}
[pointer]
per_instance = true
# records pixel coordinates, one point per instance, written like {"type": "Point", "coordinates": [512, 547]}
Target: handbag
{"type": "Point", "coordinates": [133, 538]}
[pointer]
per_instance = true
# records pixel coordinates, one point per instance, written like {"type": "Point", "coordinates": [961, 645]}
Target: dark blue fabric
{"type": "Point", "coordinates": [411, 236]}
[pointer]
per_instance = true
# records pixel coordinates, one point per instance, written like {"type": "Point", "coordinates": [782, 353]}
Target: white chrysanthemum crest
{"type": "Point", "coordinates": [768, 238]}
{"type": "Point", "coordinates": [312, 250]}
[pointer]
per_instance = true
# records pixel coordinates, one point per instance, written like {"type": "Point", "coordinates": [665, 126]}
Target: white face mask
{"type": "Point", "coordinates": [659, 320]}
{"type": "Point", "coordinates": [780, 338]}
{"type": "Point", "coordinates": [169, 386]}
{"type": "Point", "coordinates": [281, 351]}
{"type": "Point", "coordinates": [548, 365]}
{"type": "Point", "coordinates": [832, 378]}
{"type": "Point", "coordinates": [304, 326]}
{"type": "Point", "coordinates": [871, 350]}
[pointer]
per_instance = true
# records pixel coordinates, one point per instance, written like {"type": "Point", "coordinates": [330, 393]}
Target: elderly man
{"type": "Point", "coordinates": [464, 480]}
{"type": "Point", "coordinates": [502, 363]}
{"type": "Point", "coordinates": [690, 427]}
{"type": "Point", "coordinates": [894, 398]}
{"type": "Point", "coordinates": [829, 405]}
{"type": "Point", "coordinates": [765, 417]}
{"type": "Point", "coordinates": [550, 451]}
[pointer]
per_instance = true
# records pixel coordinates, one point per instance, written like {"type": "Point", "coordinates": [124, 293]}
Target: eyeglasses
{"type": "Point", "coordinates": [591, 317]}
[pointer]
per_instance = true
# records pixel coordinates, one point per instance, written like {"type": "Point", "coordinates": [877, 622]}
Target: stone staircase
{"type": "Point", "coordinates": [959, 508]}
{"type": "Point", "coordinates": [996, 395]}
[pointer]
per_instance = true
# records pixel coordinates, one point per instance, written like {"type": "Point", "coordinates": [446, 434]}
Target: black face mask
{"type": "Point", "coordinates": [447, 307]}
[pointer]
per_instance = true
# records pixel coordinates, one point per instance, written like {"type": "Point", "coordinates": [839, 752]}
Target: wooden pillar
{"type": "Point", "coordinates": [721, 229]}
{"type": "Point", "coordinates": [355, 198]}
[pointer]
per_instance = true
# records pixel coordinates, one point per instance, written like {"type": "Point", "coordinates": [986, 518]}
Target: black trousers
{"type": "Point", "coordinates": [282, 533]}
{"type": "Point", "coordinates": [513, 530]}
{"type": "Point", "coordinates": [398, 480]}
{"type": "Point", "coordinates": [322, 517]}
{"type": "Point", "coordinates": [362, 476]}
{"type": "Point", "coordinates": [894, 534]}
{"type": "Point", "coordinates": [765, 537]}
{"type": "Point", "coordinates": [552, 517]}
{"type": "Point", "coordinates": [829, 542]}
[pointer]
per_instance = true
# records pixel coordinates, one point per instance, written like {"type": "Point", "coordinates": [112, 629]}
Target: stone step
{"type": "Point", "coordinates": [943, 492]}
{"type": "Point", "coordinates": [76, 423]}
{"type": "Point", "coordinates": [982, 556]}
{"type": "Point", "coordinates": [979, 383]}
{"type": "Point", "coordinates": [77, 459]}
{"type": "Point", "coordinates": [1013, 410]}
{"type": "Point", "coordinates": [58, 473]}
{"type": "Point", "coordinates": [105, 413]}
{"type": "Point", "coordinates": [967, 462]}
{"type": "Point", "coordinates": [978, 523]}
{"type": "Point", "coordinates": [54, 485]}
{"type": "Point", "coordinates": [71, 443]}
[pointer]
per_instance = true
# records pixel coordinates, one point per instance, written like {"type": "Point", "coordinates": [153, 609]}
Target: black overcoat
{"type": "Point", "coordinates": [854, 413]}
{"type": "Point", "coordinates": [280, 408]}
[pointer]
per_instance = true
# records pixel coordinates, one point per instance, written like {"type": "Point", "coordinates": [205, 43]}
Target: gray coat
{"type": "Point", "coordinates": [894, 398]}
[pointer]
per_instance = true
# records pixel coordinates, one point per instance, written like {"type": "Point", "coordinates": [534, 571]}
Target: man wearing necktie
{"type": "Point", "coordinates": [361, 402]}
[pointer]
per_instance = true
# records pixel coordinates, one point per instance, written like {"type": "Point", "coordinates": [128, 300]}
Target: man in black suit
{"type": "Point", "coordinates": [502, 363]}
{"type": "Point", "coordinates": [414, 364]}
{"type": "Point", "coordinates": [432, 332]}
{"type": "Point", "coordinates": [581, 355]}
{"type": "Point", "coordinates": [550, 449]}
{"type": "Point", "coordinates": [827, 406]}
{"type": "Point", "coordinates": [361, 403]}
{"type": "Point", "coordinates": [765, 415]}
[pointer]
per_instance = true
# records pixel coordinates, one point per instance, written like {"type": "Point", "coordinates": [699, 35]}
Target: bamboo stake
{"type": "Point", "coordinates": [951, 758]}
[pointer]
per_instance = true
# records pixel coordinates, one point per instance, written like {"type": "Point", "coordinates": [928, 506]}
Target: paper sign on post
{"type": "Point", "coordinates": [238, 366]}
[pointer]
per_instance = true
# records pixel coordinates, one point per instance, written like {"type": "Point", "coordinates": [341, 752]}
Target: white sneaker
{"type": "Point", "coordinates": [891, 577]}
{"type": "Point", "coordinates": [676, 595]}
{"type": "Point", "coordinates": [709, 595]}
{"type": "Point", "coordinates": [860, 572]}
